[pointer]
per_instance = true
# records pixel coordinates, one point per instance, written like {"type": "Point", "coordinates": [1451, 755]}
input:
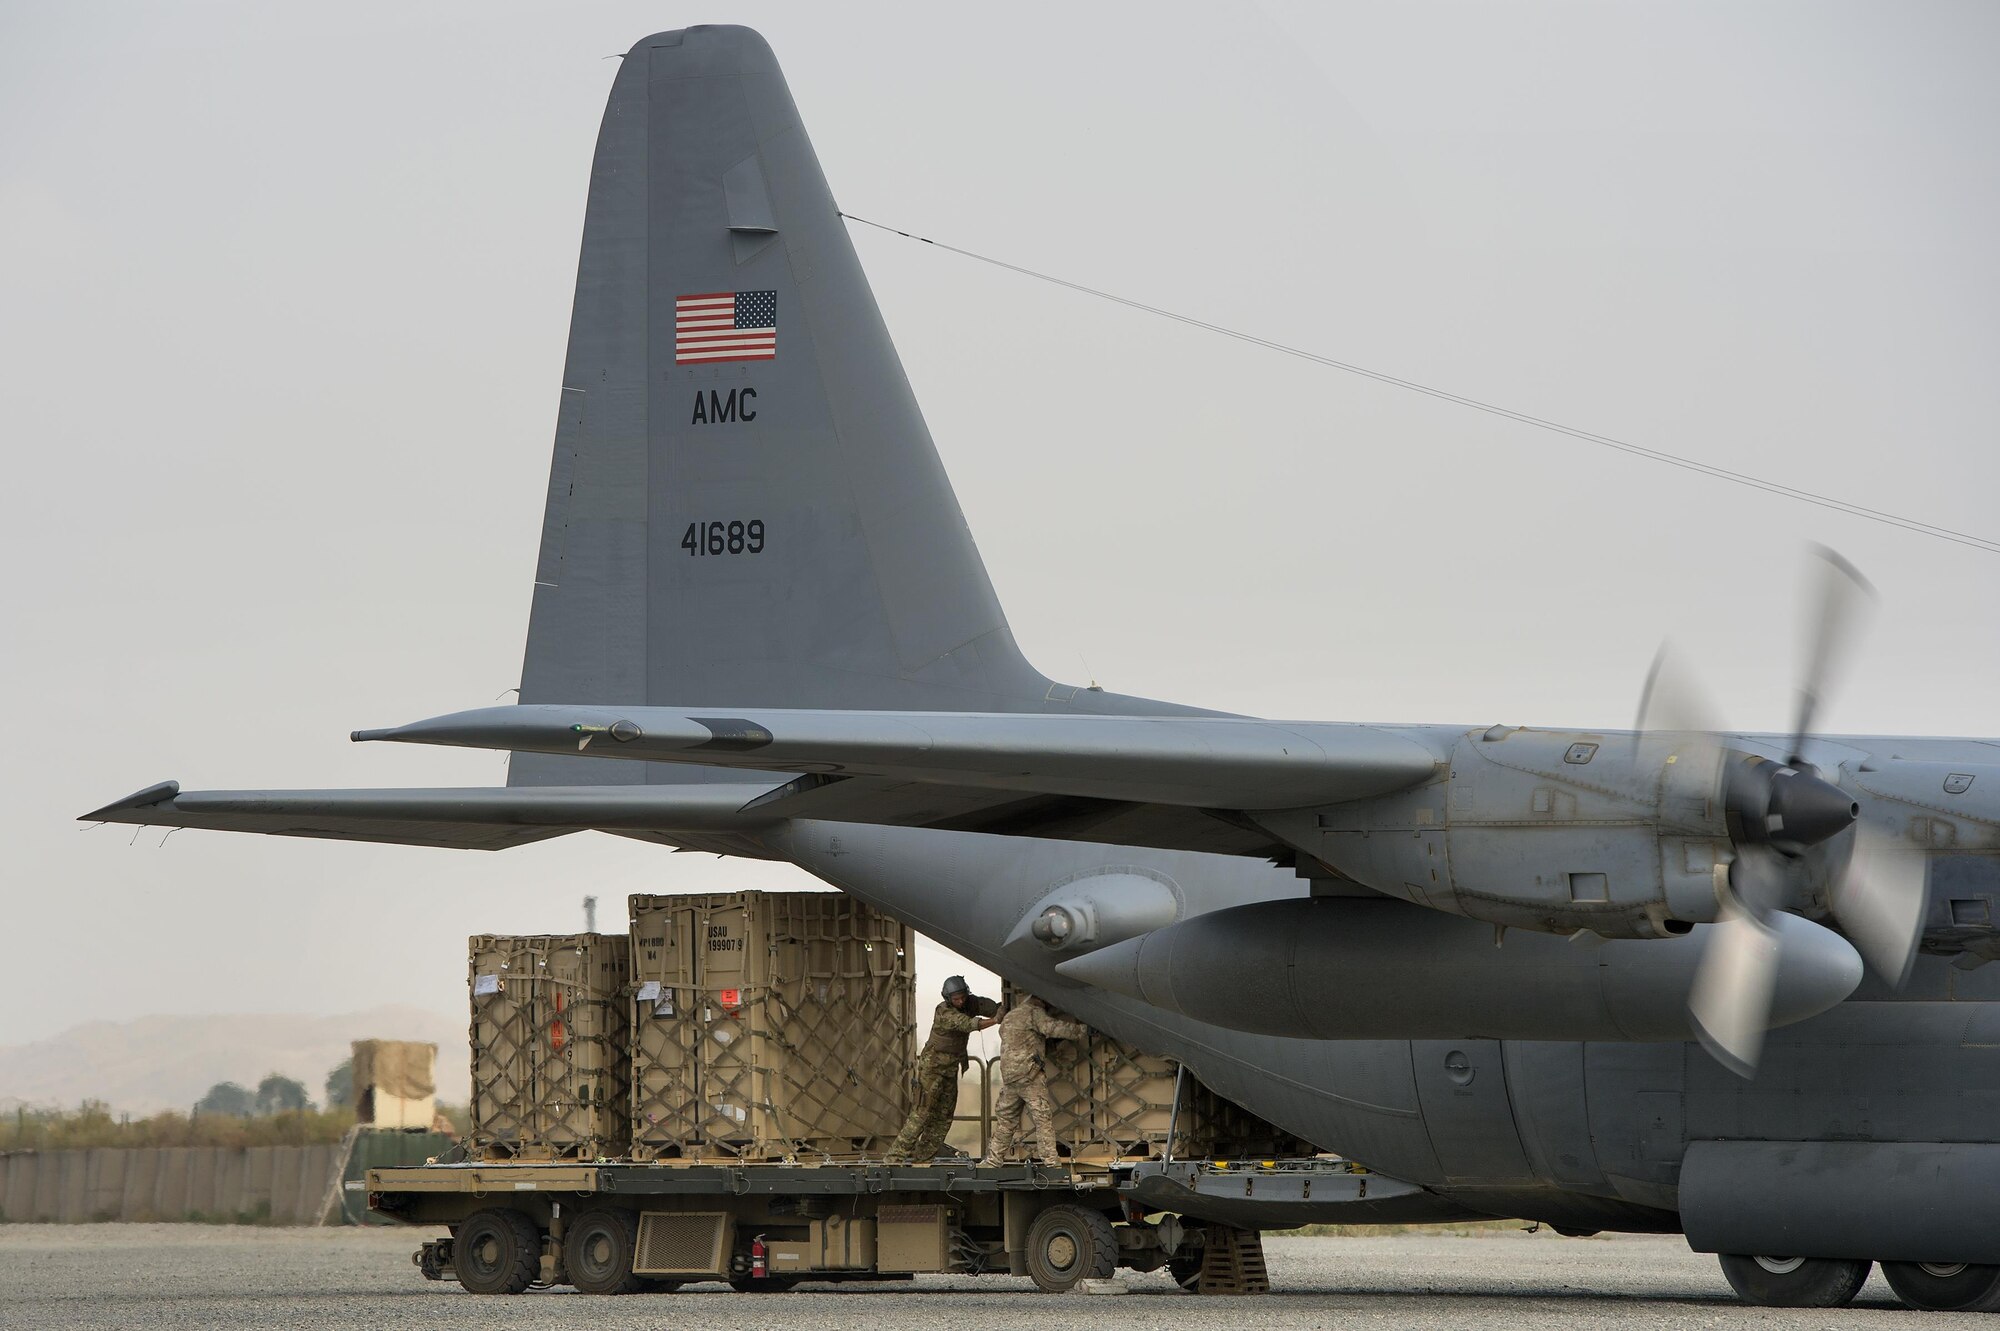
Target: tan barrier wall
{"type": "Point", "coordinates": [279, 1185]}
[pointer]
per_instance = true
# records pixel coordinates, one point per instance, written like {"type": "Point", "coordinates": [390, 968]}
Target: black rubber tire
{"type": "Point", "coordinates": [496, 1251]}
{"type": "Point", "coordinates": [659, 1284]}
{"type": "Point", "coordinates": [766, 1285]}
{"type": "Point", "coordinates": [1185, 1268]}
{"type": "Point", "coordinates": [1068, 1245]}
{"type": "Point", "coordinates": [1794, 1282]}
{"type": "Point", "coordinates": [1958, 1288]}
{"type": "Point", "coordinates": [597, 1251]}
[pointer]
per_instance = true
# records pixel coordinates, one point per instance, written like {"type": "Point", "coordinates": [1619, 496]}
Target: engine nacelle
{"type": "Point", "coordinates": [1627, 836]}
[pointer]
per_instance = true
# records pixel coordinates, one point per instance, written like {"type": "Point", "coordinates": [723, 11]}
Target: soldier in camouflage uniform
{"type": "Point", "coordinates": [1023, 1036]}
{"type": "Point", "coordinates": [938, 1066]}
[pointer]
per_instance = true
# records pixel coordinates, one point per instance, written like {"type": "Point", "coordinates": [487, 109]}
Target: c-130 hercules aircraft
{"type": "Point", "coordinates": [1491, 964]}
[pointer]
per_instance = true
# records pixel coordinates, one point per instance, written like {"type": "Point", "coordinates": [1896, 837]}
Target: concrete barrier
{"type": "Point", "coordinates": [231, 1168]}
{"type": "Point", "coordinates": [142, 1175]}
{"type": "Point", "coordinates": [282, 1185]}
{"type": "Point", "coordinates": [107, 1182]}
{"type": "Point", "coordinates": [202, 1174]}
{"type": "Point", "coordinates": [48, 1197]}
{"type": "Point", "coordinates": [260, 1166]}
{"type": "Point", "coordinates": [72, 1194]}
{"type": "Point", "coordinates": [316, 1172]}
{"type": "Point", "coordinates": [170, 1189]}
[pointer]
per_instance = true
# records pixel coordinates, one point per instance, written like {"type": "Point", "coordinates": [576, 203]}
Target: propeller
{"type": "Point", "coordinates": [1777, 815]}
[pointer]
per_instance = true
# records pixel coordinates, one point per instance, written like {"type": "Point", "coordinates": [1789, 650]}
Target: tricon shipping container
{"type": "Point", "coordinates": [768, 1025]}
{"type": "Point", "coordinates": [550, 1046]}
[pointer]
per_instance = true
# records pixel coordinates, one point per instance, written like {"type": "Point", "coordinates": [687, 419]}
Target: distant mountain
{"type": "Point", "coordinates": [148, 1064]}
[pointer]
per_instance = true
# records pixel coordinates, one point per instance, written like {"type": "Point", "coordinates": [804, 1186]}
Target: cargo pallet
{"type": "Point", "coordinates": [621, 1227]}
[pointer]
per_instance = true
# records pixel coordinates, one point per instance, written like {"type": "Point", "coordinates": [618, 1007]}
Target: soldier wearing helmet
{"type": "Point", "coordinates": [943, 1057]}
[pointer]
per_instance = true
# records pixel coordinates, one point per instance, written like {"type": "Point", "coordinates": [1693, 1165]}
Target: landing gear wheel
{"type": "Point", "coordinates": [1185, 1268]}
{"type": "Point", "coordinates": [597, 1251]}
{"type": "Point", "coordinates": [1945, 1287]}
{"type": "Point", "coordinates": [765, 1285]}
{"type": "Point", "coordinates": [497, 1252]}
{"type": "Point", "coordinates": [1068, 1245]}
{"type": "Point", "coordinates": [1794, 1282]}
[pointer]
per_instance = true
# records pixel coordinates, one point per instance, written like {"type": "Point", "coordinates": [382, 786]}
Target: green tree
{"type": "Point", "coordinates": [340, 1085]}
{"type": "Point", "coordinates": [226, 1097]}
{"type": "Point", "coordinates": [278, 1094]}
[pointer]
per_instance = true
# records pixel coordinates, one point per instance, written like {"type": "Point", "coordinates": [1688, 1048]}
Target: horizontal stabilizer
{"type": "Point", "coordinates": [472, 818]}
{"type": "Point", "coordinates": [1186, 761]}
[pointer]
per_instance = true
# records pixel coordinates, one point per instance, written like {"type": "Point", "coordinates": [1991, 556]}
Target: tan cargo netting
{"type": "Point", "coordinates": [1115, 1100]}
{"type": "Point", "coordinates": [549, 1046]}
{"type": "Point", "coordinates": [769, 1026]}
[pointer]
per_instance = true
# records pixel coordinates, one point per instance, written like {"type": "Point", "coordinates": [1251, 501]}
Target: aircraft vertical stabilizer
{"type": "Point", "coordinates": [745, 506]}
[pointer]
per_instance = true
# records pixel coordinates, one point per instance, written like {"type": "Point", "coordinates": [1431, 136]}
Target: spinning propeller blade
{"type": "Point", "coordinates": [1880, 903]}
{"type": "Point", "coordinates": [1777, 813]}
{"type": "Point", "coordinates": [1731, 998]}
{"type": "Point", "coordinates": [1843, 598]}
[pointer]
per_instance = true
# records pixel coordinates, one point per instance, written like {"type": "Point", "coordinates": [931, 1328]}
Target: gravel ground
{"type": "Point", "coordinates": [186, 1276]}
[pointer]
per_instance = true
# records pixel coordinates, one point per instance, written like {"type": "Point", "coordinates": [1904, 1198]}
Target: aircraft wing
{"type": "Point", "coordinates": [475, 818]}
{"type": "Point", "coordinates": [1119, 779]}
{"type": "Point", "coordinates": [1179, 783]}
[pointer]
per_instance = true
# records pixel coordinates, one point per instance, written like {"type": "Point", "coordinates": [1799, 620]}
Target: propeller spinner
{"type": "Point", "coordinates": [1776, 814]}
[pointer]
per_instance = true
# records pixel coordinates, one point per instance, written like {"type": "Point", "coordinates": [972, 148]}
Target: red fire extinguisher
{"type": "Point", "coordinates": [760, 1265]}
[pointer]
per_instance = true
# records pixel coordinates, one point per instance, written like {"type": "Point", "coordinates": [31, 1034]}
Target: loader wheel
{"type": "Point", "coordinates": [1068, 1245]}
{"type": "Point", "coordinates": [497, 1252]}
{"type": "Point", "coordinates": [1794, 1282]}
{"type": "Point", "coordinates": [597, 1251]}
{"type": "Point", "coordinates": [1185, 1268]}
{"type": "Point", "coordinates": [1955, 1287]}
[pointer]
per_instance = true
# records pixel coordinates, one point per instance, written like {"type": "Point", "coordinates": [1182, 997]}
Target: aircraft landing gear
{"type": "Point", "coordinates": [1794, 1282]}
{"type": "Point", "coordinates": [1955, 1287]}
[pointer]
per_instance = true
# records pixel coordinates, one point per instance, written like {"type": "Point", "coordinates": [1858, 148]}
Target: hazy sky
{"type": "Point", "coordinates": [284, 292]}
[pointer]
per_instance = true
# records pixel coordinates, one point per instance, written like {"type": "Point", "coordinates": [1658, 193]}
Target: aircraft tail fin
{"type": "Point", "coordinates": [745, 506]}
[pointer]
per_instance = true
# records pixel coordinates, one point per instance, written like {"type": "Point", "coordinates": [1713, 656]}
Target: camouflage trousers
{"type": "Point", "coordinates": [930, 1118]}
{"type": "Point", "coordinates": [1029, 1094]}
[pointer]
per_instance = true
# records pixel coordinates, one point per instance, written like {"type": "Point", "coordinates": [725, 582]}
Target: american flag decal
{"type": "Point", "coordinates": [725, 325]}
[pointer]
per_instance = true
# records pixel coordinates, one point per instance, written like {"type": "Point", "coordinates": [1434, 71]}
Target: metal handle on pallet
{"type": "Point", "coordinates": [985, 1066]}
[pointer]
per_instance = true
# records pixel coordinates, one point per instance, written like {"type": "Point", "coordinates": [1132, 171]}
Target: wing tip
{"type": "Point", "coordinates": [158, 793]}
